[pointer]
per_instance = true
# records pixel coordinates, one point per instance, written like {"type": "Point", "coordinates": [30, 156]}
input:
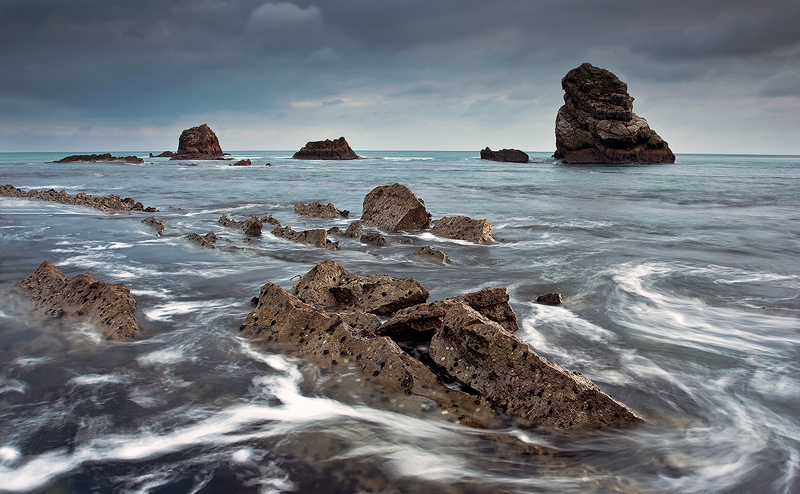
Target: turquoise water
{"type": "Point", "coordinates": [682, 299]}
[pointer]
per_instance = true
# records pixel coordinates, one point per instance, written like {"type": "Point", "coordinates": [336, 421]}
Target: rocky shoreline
{"type": "Point", "coordinates": [108, 203]}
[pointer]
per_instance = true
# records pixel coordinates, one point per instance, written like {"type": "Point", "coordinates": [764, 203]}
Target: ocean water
{"type": "Point", "coordinates": [681, 288]}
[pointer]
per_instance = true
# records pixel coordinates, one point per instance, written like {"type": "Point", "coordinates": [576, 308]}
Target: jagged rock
{"type": "Point", "coordinates": [165, 154]}
{"type": "Point", "coordinates": [505, 155]}
{"type": "Point", "coordinates": [464, 228]}
{"type": "Point", "coordinates": [209, 240]}
{"type": "Point", "coordinates": [373, 238]}
{"type": "Point", "coordinates": [329, 284]}
{"type": "Point", "coordinates": [241, 163]}
{"type": "Point", "coordinates": [336, 149]}
{"type": "Point", "coordinates": [316, 209]}
{"type": "Point", "coordinates": [420, 322]}
{"type": "Point", "coordinates": [395, 208]}
{"type": "Point", "coordinates": [503, 368]}
{"type": "Point", "coordinates": [250, 227]}
{"type": "Point", "coordinates": [597, 123]}
{"type": "Point", "coordinates": [104, 203]}
{"type": "Point", "coordinates": [101, 158]}
{"type": "Point", "coordinates": [110, 307]}
{"type": "Point", "coordinates": [432, 254]}
{"type": "Point", "coordinates": [323, 338]}
{"type": "Point", "coordinates": [158, 225]}
{"type": "Point", "coordinates": [269, 219]}
{"type": "Point", "coordinates": [549, 299]}
{"type": "Point", "coordinates": [317, 237]}
{"type": "Point", "coordinates": [198, 143]}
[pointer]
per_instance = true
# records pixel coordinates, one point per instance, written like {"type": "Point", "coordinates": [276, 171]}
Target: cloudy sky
{"type": "Point", "coordinates": [112, 75]}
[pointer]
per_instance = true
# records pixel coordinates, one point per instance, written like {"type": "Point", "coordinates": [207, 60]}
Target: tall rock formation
{"type": "Point", "coordinates": [336, 149]}
{"type": "Point", "coordinates": [198, 143]}
{"type": "Point", "coordinates": [597, 123]}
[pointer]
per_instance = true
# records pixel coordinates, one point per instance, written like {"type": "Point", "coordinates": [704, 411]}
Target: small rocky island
{"type": "Point", "coordinates": [336, 149]}
{"type": "Point", "coordinates": [505, 155]}
{"type": "Point", "coordinates": [198, 143]}
{"type": "Point", "coordinates": [100, 158]}
{"type": "Point", "coordinates": [597, 123]}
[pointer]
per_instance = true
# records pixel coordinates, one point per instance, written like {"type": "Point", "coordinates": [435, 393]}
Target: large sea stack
{"type": "Point", "coordinates": [198, 143]}
{"type": "Point", "coordinates": [597, 123]}
{"type": "Point", "coordinates": [336, 149]}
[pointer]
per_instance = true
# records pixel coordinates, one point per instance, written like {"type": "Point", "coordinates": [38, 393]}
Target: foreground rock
{"type": "Point", "coordinates": [504, 369]}
{"type": "Point", "coordinates": [505, 155]}
{"type": "Point", "coordinates": [429, 253]}
{"type": "Point", "coordinates": [109, 203]}
{"type": "Point", "coordinates": [336, 149]}
{"type": "Point", "coordinates": [198, 143]}
{"type": "Point", "coordinates": [109, 307]}
{"type": "Point", "coordinates": [597, 123]}
{"type": "Point", "coordinates": [158, 225]}
{"type": "Point", "coordinates": [316, 237]}
{"type": "Point", "coordinates": [330, 285]}
{"type": "Point", "coordinates": [251, 227]}
{"type": "Point", "coordinates": [464, 228]}
{"type": "Point", "coordinates": [101, 158]}
{"type": "Point", "coordinates": [324, 338]}
{"type": "Point", "coordinates": [316, 209]}
{"type": "Point", "coordinates": [395, 208]}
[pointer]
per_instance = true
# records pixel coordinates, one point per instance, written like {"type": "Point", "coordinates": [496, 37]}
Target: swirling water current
{"type": "Point", "coordinates": [681, 288]}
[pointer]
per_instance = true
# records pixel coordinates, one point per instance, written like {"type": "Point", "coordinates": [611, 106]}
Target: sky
{"type": "Point", "coordinates": [710, 76]}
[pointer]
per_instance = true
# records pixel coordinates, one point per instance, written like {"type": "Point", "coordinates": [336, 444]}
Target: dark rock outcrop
{"type": "Point", "coordinates": [503, 368]}
{"type": "Point", "coordinates": [241, 163]}
{"type": "Point", "coordinates": [316, 209]}
{"type": "Point", "coordinates": [597, 123]}
{"type": "Point", "coordinates": [250, 227]}
{"type": "Point", "coordinates": [109, 203]}
{"type": "Point", "coordinates": [464, 228]}
{"type": "Point", "coordinates": [109, 307]}
{"type": "Point", "coordinates": [373, 238]}
{"type": "Point", "coordinates": [198, 143]}
{"type": "Point", "coordinates": [209, 240]}
{"type": "Point", "coordinates": [336, 149]}
{"type": "Point", "coordinates": [549, 299]}
{"type": "Point", "coordinates": [101, 158]}
{"type": "Point", "coordinates": [395, 208]}
{"type": "Point", "coordinates": [317, 237]}
{"type": "Point", "coordinates": [165, 154]}
{"type": "Point", "coordinates": [159, 225]}
{"type": "Point", "coordinates": [505, 155]}
{"type": "Point", "coordinates": [329, 284]}
{"type": "Point", "coordinates": [429, 253]}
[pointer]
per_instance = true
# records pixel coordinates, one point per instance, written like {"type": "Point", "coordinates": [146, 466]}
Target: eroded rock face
{"type": "Point", "coordinates": [109, 203]}
{"type": "Point", "coordinates": [316, 209]}
{"type": "Point", "coordinates": [110, 307]}
{"type": "Point", "coordinates": [317, 237]}
{"type": "Point", "coordinates": [505, 155]}
{"type": "Point", "coordinates": [597, 123]}
{"type": "Point", "coordinates": [209, 240]}
{"type": "Point", "coordinates": [373, 238]}
{"type": "Point", "coordinates": [251, 227]}
{"type": "Point", "coordinates": [325, 339]}
{"type": "Point", "coordinates": [503, 368]}
{"type": "Point", "coordinates": [198, 143]}
{"type": "Point", "coordinates": [336, 149]}
{"type": "Point", "coordinates": [329, 284]}
{"type": "Point", "coordinates": [432, 254]}
{"type": "Point", "coordinates": [464, 228]}
{"type": "Point", "coordinates": [395, 208]}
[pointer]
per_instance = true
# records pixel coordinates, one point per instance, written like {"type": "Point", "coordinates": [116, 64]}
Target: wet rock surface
{"type": "Point", "coordinates": [100, 158]}
{"type": "Point", "coordinates": [464, 228]}
{"type": "Point", "coordinates": [435, 255]}
{"type": "Point", "coordinates": [336, 149]}
{"type": "Point", "coordinates": [549, 299]}
{"type": "Point", "coordinates": [373, 238]}
{"type": "Point", "coordinates": [505, 155]}
{"type": "Point", "coordinates": [395, 208]}
{"type": "Point", "coordinates": [316, 237]}
{"type": "Point", "coordinates": [597, 123]}
{"type": "Point", "coordinates": [158, 225]}
{"type": "Point", "coordinates": [316, 209]}
{"type": "Point", "coordinates": [198, 143]}
{"type": "Point", "coordinates": [109, 203]}
{"type": "Point", "coordinates": [109, 307]}
{"type": "Point", "coordinates": [251, 227]}
{"type": "Point", "coordinates": [209, 240]}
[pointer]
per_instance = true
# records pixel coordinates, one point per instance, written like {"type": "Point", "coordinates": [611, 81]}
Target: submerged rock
{"type": "Point", "coordinates": [373, 238]}
{"type": "Point", "coordinates": [109, 307]}
{"type": "Point", "coordinates": [241, 163]}
{"type": "Point", "coordinates": [158, 225]}
{"type": "Point", "coordinates": [597, 123]}
{"type": "Point", "coordinates": [330, 285]}
{"type": "Point", "coordinates": [432, 254]}
{"type": "Point", "coordinates": [101, 158]}
{"type": "Point", "coordinates": [250, 227]}
{"type": "Point", "coordinates": [505, 155]}
{"type": "Point", "coordinates": [198, 143]}
{"type": "Point", "coordinates": [316, 209]}
{"type": "Point", "coordinates": [209, 240]}
{"type": "Point", "coordinates": [464, 228]}
{"type": "Point", "coordinates": [336, 149]}
{"type": "Point", "coordinates": [109, 203]}
{"type": "Point", "coordinates": [395, 208]}
{"type": "Point", "coordinates": [549, 299]}
{"type": "Point", "coordinates": [317, 237]}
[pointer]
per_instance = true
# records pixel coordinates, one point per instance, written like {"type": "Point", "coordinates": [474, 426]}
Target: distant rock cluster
{"type": "Point", "coordinates": [597, 123]}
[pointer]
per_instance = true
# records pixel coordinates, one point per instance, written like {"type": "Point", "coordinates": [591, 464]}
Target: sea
{"type": "Point", "coordinates": [681, 299]}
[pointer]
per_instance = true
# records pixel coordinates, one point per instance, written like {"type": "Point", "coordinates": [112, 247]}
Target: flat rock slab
{"type": "Point", "coordinates": [329, 285]}
{"type": "Point", "coordinates": [109, 307]}
{"type": "Point", "coordinates": [503, 368]}
{"type": "Point", "coordinates": [108, 203]}
{"type": "Point", "coordinates": [464, 228]}
{"type": "Point", "coordinates": [395, 208]}
{"type": "Point", "coordinates": [101, 158]}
